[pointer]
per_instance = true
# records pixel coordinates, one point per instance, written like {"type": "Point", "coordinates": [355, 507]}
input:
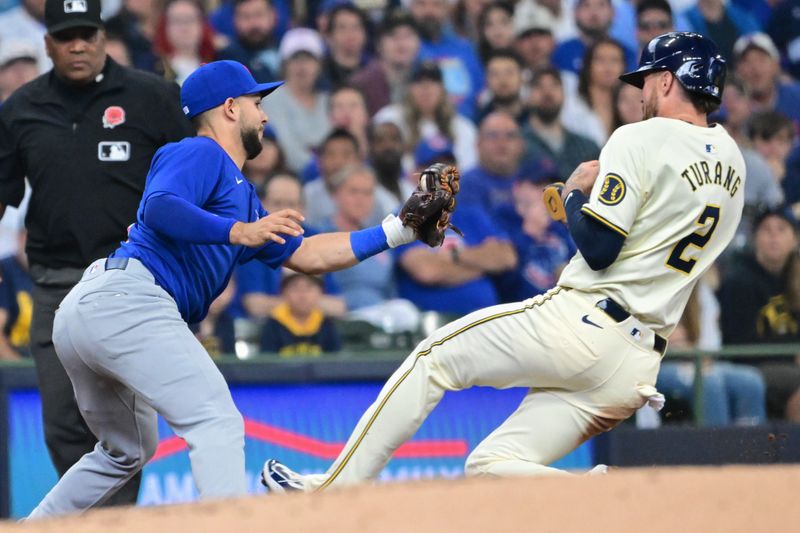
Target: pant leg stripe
{"type": "Point", "coordinates": [423, 353]}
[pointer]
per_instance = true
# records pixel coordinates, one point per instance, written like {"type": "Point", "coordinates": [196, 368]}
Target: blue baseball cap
{"type": "Point", "coordinates": [213, 83]}
{"type": "Point", "coordinates": [538, 171]}
{"type": "Point", "coordinates": [433, 149]}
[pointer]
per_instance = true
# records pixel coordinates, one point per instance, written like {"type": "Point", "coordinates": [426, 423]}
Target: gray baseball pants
{"type": "Point", "coordinates": [130, 355]}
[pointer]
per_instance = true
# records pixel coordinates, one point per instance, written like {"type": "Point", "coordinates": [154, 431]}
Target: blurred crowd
{"type": "Point", "coordinates": [516, 94]}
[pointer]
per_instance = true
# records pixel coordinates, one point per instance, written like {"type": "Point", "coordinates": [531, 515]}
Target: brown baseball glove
{"type": "Point", "coordinates": [429, 208]}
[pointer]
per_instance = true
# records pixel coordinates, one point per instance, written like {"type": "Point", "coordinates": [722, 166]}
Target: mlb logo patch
{"type": "Point", "coordinates": [113, 116]}
{"type": "Point", "coordinates": [711, 149]}
{"type": "Point", "coordinates": [114, 151]}
{"type": "Point", "coordinates": [75, 6]}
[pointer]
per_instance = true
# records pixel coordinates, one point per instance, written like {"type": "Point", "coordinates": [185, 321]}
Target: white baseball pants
{"type": "Point", "coordinates": [585, 371]}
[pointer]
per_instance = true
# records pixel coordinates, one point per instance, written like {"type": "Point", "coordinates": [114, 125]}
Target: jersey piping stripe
{"type": "Point", "coordinates": [423, 353]}
{"type": "Point", "coordinates": [585, 210]}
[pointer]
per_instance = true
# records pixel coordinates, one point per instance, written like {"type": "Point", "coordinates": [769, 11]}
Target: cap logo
{"type": "Point", "coordinates": [75, 6]}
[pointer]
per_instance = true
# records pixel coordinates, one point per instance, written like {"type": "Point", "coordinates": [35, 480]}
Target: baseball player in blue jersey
{"type": "Point", "coordinates": [122, 332]}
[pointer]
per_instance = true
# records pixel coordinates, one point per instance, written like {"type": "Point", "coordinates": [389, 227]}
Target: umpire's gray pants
{"type": "Point", "coordinates": [130, 355]}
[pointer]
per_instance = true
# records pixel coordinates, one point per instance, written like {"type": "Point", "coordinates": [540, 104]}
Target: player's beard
{"type": "Point", "coordinates": [548, 114]}
{"type": "Point", "coordinates": [650, 107]}
{"type": "Point", "coordinates": [251, 142]}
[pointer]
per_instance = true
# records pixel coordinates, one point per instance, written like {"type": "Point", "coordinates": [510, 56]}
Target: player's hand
{"type": "Point", "coordinates": [582, 178]}
{"type": "Point", "coordinates": [269, 228]}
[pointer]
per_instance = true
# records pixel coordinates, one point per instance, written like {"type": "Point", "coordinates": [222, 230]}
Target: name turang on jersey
{"type": "Point", "coordinates": [700, 173]}
{"type": "Point", "coordinates": [675, 191]}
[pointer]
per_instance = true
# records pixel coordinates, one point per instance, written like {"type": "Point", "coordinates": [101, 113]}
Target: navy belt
{"type": "Point", "coordinates": [619, 314]}
{"type": "Point", "coordinates": [116, 263]}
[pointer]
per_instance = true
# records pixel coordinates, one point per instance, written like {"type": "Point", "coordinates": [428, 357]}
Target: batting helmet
{"type": "Point", "coordinates": [693, 59]}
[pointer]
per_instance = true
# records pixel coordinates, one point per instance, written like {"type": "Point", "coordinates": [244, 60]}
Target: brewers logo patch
{"type": "Point", "coordinates": [613, 190]}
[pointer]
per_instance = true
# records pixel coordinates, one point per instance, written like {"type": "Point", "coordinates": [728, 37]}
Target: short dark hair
{"type": "Point", "coordinates": [237, 2]}
{"type": "Point", "coordinates": [347, 8]}
{"type": "Point", "coordinates": [703, 102]}
{"type": "Point", "coordinates": [543, 72]}
{"type": "Point", "coordinates": [505, 53]}
{"type": "Point", "coordinates": [198, 121]}
{"type": "Point", "coordinates": [396, 18]}
{"type": "Point", "coordinates": [767, 124]}
{"type": "Point", "coordinates": [261, 188]}
{"type": "Point", "coordinates": [336, 135]}
{"type": "Point", "coordinates": [346, 87]}
{"type": "Point", "coordinates": [659, 5]}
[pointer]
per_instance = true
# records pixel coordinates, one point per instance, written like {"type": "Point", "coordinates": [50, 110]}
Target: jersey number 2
{"type": "Point", "coordinates": [696, 239]}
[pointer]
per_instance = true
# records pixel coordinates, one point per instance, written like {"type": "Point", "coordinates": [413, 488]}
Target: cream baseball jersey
{"type": "Point", "coordinates": [675, 191]}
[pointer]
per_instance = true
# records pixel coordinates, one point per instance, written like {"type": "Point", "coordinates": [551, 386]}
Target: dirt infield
{"type": "Point", "coordinates": [679, 500]}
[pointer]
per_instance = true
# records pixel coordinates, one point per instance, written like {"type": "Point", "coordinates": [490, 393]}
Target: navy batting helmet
{"type": "Point", "coordinates": [693, 59]}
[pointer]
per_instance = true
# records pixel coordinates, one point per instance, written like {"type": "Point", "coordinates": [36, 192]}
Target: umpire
{"type": "Point", "coordinates": [83, 134]}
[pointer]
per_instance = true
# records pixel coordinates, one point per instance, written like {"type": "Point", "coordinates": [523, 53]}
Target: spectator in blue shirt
{"type": "Point", "coordinates": [542, 245]}
{"type": "Point", "coordinates": [758, 66]}
{"type": "Point", "coordinates": [456, 56]}
{"type": "Point", "coordinates": [593, 19]}
{"type": "Point", "coordinates": [456, 278]}
{"type": "Point", "coordinates": [500, 148]}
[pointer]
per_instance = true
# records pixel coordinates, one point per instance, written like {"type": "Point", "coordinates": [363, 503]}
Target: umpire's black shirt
{"type": "Point", "coordinates": [86, 151]}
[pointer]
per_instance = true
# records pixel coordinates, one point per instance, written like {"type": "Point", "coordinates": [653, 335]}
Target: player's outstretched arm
{"type": "Point", "coordinates": [328, 252]}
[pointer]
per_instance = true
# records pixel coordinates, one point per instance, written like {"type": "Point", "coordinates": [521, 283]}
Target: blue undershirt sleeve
{"type": "Point", "coordinates": [599, 244]}
{"type": "Point", "coordinates": [181, 220]}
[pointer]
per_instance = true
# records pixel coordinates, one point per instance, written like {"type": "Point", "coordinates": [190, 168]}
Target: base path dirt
{"type": "Point", "coordinates": [726, 499]}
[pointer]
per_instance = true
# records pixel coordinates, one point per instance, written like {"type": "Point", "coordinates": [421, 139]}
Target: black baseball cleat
{"type": "Point", "coordinates": [278, 477]}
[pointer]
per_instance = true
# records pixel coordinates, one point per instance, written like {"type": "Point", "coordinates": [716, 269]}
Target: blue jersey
{"type": "Point", "coordinates": [200, 172]}
{"type": "Point", "coordinates": [457, 299]}
{"type": "Point", "coordinates": [485, 190]}
{"type": "Point", "coordinates": [540, 259]}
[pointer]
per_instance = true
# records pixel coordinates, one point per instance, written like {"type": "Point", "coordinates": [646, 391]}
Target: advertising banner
{"type": "Point", "coordinates": [305, 426]}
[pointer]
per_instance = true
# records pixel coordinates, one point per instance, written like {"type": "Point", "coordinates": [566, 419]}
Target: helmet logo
{"type": "Point", "coordinates": [692, 69]}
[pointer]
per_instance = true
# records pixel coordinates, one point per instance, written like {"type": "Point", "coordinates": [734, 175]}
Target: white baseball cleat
{"type": "Point", "coordinates": [598, 470]}
{"type": "Point", "coordinates": [278, 477]}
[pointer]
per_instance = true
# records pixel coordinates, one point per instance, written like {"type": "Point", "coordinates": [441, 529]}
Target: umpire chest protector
{"type": "Point", "coordinates": [86, 152]}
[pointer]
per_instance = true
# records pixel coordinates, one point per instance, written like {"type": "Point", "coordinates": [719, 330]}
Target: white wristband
{"type": "Point", "coordinates": [396, 233]}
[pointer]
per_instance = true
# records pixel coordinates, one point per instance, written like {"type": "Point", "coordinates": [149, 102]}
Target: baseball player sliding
{"type": "Point", "coordinates": [122, 332]}
{"type": "Point", "coordinates": [667, 203]}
